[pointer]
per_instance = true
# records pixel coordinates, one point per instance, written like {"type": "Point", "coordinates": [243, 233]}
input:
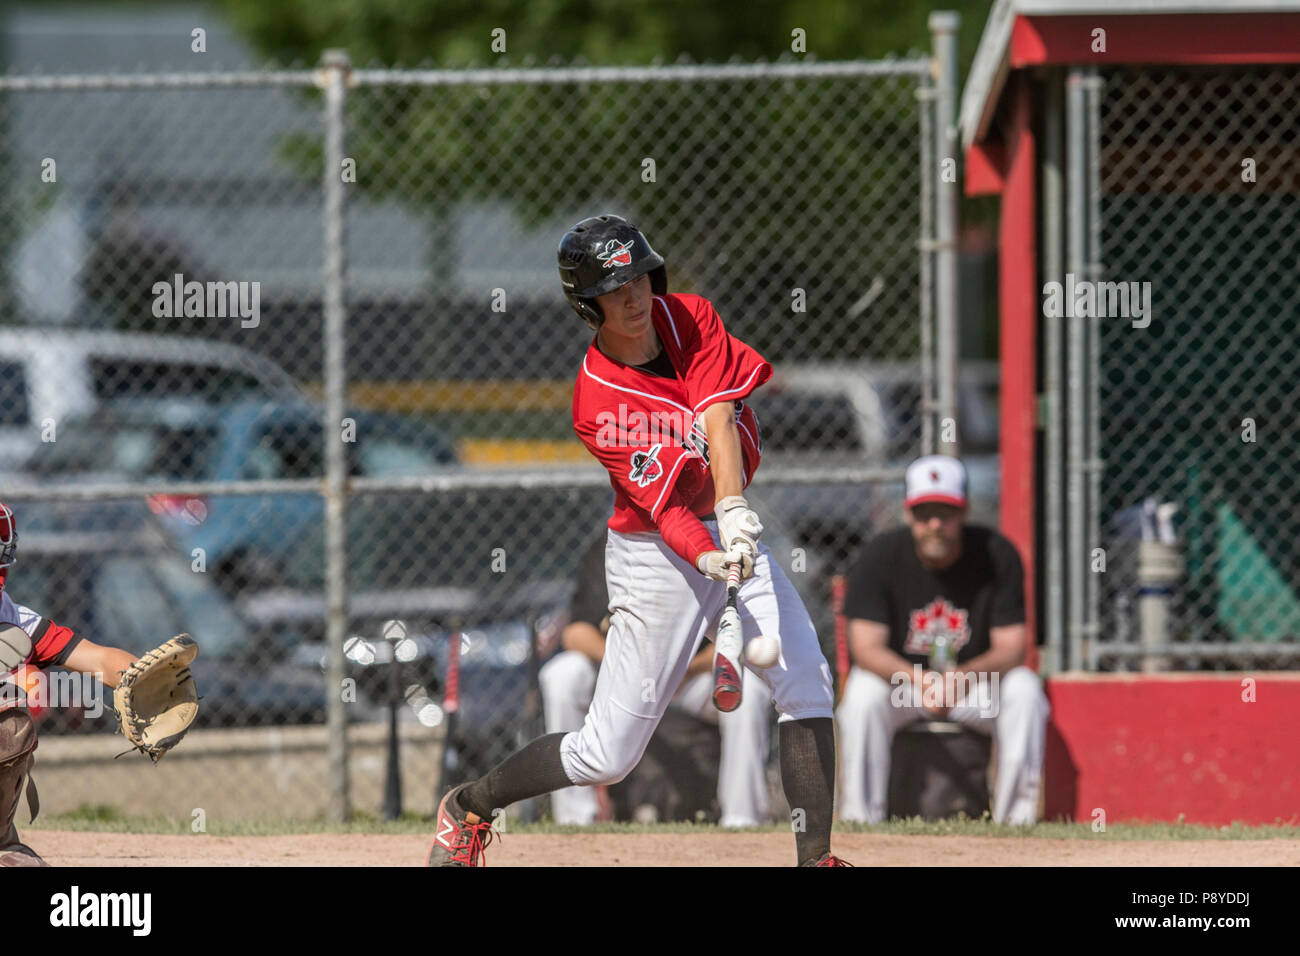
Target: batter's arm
{"type": "Point", "coordinates": [724, 450]}
{"type": "Point", "coordinates": [105, 662]}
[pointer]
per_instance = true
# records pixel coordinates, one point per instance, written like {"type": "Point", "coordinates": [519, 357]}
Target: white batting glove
{"type": "Point", "coordinates": [738, 525]}
{"type": "Point", "coordinates": [713, 564]}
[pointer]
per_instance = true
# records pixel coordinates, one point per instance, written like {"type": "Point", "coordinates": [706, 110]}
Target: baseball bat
{"type": "Point", "coordinates": [451, 710]}
{"type": "Point", "coordinates": [727, 673]}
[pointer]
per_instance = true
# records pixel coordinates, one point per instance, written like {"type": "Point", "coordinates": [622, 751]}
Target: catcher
{"type": "Point", "coordinates": [154, 695]}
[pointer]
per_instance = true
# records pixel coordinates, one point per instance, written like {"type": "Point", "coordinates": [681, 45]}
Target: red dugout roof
{"type": "Point", "coordinates": [1026, 33]}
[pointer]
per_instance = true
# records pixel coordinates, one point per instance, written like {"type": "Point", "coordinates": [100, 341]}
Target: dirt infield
{"type": "Point", "coordinates": [77, 849]}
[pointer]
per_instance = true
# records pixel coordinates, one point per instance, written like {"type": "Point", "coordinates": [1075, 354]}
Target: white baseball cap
{"type": "Point", "coordinates": [940, 478]}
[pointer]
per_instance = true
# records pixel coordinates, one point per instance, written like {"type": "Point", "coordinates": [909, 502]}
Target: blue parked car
{"type": "Point", "coordinates": [246, 541]}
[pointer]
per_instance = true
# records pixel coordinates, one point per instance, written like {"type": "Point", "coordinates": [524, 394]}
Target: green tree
{"type": "Point", "coordinates": [458, 32]}
{"type": "Point", "coordinates": [764, 166]}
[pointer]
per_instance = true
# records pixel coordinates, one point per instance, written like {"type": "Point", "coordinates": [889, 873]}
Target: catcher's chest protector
{"type": "Point", "coordinates": [17, 745]}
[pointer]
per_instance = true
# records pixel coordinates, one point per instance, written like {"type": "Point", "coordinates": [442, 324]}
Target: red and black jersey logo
{"type": "Point", "coordinates": [938, 618]}
{"type": "Point", "coordinates": [646, 467]}
{"type": "Point", "coordinates": [616, 253]}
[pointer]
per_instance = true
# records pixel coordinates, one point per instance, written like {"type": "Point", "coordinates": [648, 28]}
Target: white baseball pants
{"type": "Point", "coordinates": [870, 713]}
{"type": "Point", "coordinates": [661, 608]}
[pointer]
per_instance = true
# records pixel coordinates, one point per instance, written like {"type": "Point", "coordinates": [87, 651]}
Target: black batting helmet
{"type": "Point", "coordinates": [600, 254]}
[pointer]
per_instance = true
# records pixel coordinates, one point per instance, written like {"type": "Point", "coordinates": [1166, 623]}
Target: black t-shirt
{"type": "Point", "coordinates": [985, 588]}
{"type": "Point", "coordinates": [591, 596]}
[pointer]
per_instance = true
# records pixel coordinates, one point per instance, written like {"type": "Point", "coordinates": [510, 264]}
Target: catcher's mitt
{"type": "Point", "coordinates": [156, 700]}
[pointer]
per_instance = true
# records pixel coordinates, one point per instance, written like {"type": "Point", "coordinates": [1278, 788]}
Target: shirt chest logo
{"type": "Point", "coordinates": [646, 466]}
{"type": "Point", "coordinates": [937, 619]}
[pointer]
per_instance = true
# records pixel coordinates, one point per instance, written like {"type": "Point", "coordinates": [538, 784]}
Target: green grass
{"type": "Point", "coordinates": [104, 819]}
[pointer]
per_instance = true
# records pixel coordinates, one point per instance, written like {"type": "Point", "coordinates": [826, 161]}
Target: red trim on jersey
{"type": "Point", "coordinates": [51, 644]}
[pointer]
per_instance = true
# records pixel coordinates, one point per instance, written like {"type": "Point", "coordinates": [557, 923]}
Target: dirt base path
{"type": "Point", "coordinates": [78, 849]}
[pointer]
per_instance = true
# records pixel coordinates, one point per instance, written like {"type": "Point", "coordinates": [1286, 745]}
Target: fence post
{"type": "Point", "coordinates": [1052, 621]}
{"type": "Point", "coordinates": [336, 66]}
{"type": "Point", "coordinates": [925, 96]}
{"type": "Point", "coordinates": [1076, 559]}
{"type": "Point", "coordinates": [943, 33]}
{"type": "Point", "coordinates": [1092, 100]}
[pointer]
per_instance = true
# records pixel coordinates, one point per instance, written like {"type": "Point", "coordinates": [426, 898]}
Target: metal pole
{"type": "Point", "coordinates": [1076, 253]}
{"type": "Point", "coordinates": [1053, 620]}
{"type": "Point", "coordinates": [943, 33]}
{"type": "Point", "coordinates": [335, 66]}
{"type": "Point", "coordinates": [925, 104]}
{"type": "Point", "coordinates": [393, 771]}
{"type": "Point", "coordinates": [1092, 93]}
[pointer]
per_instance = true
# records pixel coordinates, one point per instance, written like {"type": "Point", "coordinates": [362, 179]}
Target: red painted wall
{"type": "Point", "coordinates": [1151, 747]}
{"type": "Point", "coordinates": [1018, 304]}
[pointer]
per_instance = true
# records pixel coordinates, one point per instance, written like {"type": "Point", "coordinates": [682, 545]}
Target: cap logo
{"type": "Point", "coordinates": [616, 253]}
{"type": "Point", "coordinates": [934, 475]}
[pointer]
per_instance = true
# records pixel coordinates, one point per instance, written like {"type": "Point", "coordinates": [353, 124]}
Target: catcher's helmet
{"type": "Point", "coordinates": [8, 541]}
{"type": "Point", "coordinates": [600, 254]}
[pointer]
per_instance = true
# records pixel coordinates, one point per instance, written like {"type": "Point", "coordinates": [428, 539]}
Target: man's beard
{"type": "Point", "coordinates": [936, 548]}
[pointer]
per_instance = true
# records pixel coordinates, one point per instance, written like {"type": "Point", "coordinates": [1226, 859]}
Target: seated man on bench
{"type": "Point", "coordinates": [936, 621]}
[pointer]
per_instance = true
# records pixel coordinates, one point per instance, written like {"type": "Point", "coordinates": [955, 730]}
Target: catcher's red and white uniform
{"type": "Point", "coordinates": [51, 643]}
{"type": "Point", "coordinates": [644, 429]}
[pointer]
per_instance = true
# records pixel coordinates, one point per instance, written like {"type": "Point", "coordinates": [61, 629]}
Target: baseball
{"type": "Point", "coordinates": [763, 651]}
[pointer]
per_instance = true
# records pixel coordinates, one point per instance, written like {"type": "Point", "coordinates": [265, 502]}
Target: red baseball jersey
{"type": "Point", "coordinates": [51, 643]}
{"type": "Point", "coordinates": [644, 427]}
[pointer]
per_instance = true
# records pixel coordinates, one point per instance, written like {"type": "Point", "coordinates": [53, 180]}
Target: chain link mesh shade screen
{"type": "Point", "coordinates": [189, 412]}
{"type": "Point", "coordinates": [1199, 197]}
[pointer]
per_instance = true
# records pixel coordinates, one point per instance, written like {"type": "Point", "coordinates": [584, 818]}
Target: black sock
{"type": "Point", "coordinates": [529, 772]}
{"type": "Point", "coordinates": [808, 777]}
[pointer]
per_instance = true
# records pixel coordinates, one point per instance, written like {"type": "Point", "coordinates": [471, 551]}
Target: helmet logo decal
{"type": "Point", "coordinates": [646, 467]}
{"type": "Point", "coordinates": [616, 253]}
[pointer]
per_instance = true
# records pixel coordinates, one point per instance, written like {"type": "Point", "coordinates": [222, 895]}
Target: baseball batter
{"type": "Point", "coordinates": [659, 401]}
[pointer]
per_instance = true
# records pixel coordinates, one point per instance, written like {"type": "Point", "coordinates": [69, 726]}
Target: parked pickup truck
{"type": "Point", "coordinates": [824, 416]}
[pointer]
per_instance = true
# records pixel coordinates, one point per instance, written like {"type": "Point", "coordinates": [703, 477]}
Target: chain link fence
{"type": "Point", "coordinates": [176, 336]}
{"type": "Point", "coordinates": [1195, 192]}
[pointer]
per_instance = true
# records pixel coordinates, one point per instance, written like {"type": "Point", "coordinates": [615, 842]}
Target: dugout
{"type": "Point", "coordinates": [1144, 156]}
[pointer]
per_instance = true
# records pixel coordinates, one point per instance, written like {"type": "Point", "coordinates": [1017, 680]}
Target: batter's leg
{"type": "Point", "coordinates": [800, 682]}
{"type": "Point", "coordinates": [567, 681]}
{"type": "Point", "coordinates": [660, 608]}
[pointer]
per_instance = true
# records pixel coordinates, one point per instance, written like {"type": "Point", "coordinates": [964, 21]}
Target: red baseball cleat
{"type": "Point", "coordinates": [827, 859]}
{"type": "Point", "coordinates": [461, 835]}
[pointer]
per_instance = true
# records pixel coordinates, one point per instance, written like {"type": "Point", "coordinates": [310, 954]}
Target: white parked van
{"type": "Point", "coordinates": [47, 374]}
